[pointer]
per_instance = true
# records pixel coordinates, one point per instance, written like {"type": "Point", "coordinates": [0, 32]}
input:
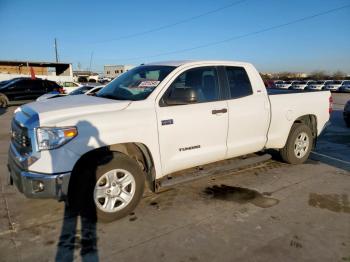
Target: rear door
{"type": "Point", "coordinates": [195, 133]}
{"type": "Point", "coordinates": [249, 113]}
{"type": "Point", "coordinates": [38, 88]}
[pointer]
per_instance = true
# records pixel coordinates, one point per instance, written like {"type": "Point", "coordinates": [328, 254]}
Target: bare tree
{"type": "Point", "coordinates": [319, 75]}
{"type": "Point", "coordinates": [339, 75]}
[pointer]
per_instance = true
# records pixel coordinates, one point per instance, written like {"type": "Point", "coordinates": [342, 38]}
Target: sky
{"type": "Point", "coordinates": [134, 32]}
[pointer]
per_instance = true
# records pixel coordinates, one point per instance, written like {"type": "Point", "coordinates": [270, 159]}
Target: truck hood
{"type": "Point", "coordinates": [52, 111]}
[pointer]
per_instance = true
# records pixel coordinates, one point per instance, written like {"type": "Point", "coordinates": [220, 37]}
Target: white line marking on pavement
{"type": "Point", "coordinates": [333, 158]}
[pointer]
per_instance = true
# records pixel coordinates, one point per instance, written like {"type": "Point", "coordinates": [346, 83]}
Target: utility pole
{"type": "Point", "coordinates": [56, 52]}
{"type": "Point", "coordinates": [92, 53]}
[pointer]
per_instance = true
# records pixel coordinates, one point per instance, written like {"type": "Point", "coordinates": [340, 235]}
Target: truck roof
{"type": "Point", "coordinates": [193, 62]}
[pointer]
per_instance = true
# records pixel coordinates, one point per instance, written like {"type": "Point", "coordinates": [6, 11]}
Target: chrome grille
{"type": "Point", "coordinates": [20, 138]}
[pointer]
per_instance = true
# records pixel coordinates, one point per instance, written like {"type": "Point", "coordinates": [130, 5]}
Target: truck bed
{"type": "Point", "coordinates": [277, 91]}
{"type": "Point", "coordinates": [288, 105]}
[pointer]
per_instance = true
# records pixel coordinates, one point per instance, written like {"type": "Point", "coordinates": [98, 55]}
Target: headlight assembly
{"type": "Point", "coordinates": [53, 137]}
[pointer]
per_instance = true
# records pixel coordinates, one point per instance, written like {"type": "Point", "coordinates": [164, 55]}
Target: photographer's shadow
{"type": "Point", "coordinates": [70, 239]}
{"type": "Point", "coordinates": [80, 204]}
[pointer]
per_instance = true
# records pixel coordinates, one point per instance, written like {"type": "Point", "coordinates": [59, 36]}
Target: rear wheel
{"type": "Point", "coordinates": [299, 144]}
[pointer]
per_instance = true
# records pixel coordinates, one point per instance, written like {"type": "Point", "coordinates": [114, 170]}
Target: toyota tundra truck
{"type": "Point", "coordinates": [151, 122]}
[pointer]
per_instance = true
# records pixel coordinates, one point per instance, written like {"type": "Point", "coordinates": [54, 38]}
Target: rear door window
{"type": "Point", "coordinates": [238, 82]}
{"type": "Point", "coordinates": [25, 85]}
{"type": "Point", "coordinates": [51, 86]}
{"type": "Point", "coordinates": [36, 85]}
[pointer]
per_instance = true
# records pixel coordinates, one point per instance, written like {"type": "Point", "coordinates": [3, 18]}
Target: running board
{"type": "Point", "coordinates": [217, 168]}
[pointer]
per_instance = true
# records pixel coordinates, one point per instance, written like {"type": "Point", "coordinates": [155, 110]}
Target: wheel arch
{"type": "Point", "coordinates": [311, 121]}
{"type": "Point", "coordinates": [2, 95]}
{"type": "Point", "coordinates": [137, 151]}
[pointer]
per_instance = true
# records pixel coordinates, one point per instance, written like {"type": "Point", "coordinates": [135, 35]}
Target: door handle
{"type": "Point", "coordinates": [218, 111]}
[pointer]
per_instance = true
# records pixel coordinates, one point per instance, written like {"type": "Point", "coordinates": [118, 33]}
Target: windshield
{"type": "Point", "coordinates": [335, 82]}
{"type": "Point", "coordinates": [136, 84]}
{"type": "Point", "coordinates": [346, 83]}
{"type": "Point", "coordinates": [287, 82]}
{"type": "Point", "coordinates": [5, 82]}
{"type": "Point", "coordinates": [10, 82]}
{"type": "Point", "coordinates": [319, 82]}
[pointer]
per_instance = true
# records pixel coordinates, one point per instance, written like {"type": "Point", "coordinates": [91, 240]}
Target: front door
{"type": "Point", "coordinates": [192, 131]}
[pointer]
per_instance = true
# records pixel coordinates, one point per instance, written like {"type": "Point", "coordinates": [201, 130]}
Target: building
{"type": "Point", "coordinates": [59, 72]}
{"type": "Point", "coordinates": [113, 71]}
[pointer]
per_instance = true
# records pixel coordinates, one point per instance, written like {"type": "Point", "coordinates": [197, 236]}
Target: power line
{"type": "Point", "coordinates": [156, 29]}
{"type": "Point", "coordinates": [244, 35]}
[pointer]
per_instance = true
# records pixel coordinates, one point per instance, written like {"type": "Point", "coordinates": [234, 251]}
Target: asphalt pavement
{"type": "Point", "coordinates": [268, 212]}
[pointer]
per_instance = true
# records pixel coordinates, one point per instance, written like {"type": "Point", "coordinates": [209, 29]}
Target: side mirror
{"type": "Point", "coordinates": [182, 96]}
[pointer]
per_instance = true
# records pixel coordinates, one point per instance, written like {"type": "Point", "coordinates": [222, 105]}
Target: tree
{"type": "Point", "coordinates": [319, 75]}
{"type": "Point", "coordinates": [339, 75]}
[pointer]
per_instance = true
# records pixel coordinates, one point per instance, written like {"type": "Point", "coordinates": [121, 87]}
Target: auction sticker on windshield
{"type": "Point", "coordinates": [149, 83]}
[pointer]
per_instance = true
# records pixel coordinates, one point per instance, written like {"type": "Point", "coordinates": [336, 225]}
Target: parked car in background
{"type": "Point", "coordinates": [26, 89]}
{"type": "Point", "coordinates": [346, 114]}
{"type": "Point", "coordinates": [269, 84]}
{"type": "Point", "coordinates": [70, 86]}
{"type": "Point", "coordinates": [345, 87]}
{"type": "Point", "coordinates": [87, 90]}
{"type": "Point", "coordinates": [278, 83]}
{"type": "Point", "coordinates": [104, 80]}
{"type": "Point", "coordinates": [286, 84]}
{"type": "Point", "coordinates": [299, 85]}
{"type": "Point", "coordinates": [315, 85]}
{"type": "Point", "coordinates": [333, 85]}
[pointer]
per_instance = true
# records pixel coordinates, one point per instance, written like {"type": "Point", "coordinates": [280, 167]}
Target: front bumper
{"type": "Point", "coordinates": [37, 185]}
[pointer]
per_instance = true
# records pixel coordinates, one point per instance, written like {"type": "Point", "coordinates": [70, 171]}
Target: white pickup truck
{"type": "Point", "coordinates": [153, 121]}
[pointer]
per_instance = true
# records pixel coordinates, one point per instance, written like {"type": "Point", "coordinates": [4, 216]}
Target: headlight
{"type": "Point", "coordinates": [54, 137]}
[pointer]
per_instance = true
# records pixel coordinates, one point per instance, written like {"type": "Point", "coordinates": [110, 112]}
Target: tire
{"type": "Point", "coordinates": [294, 153]}
{"type": "Point", "coordinates": [88, 191]}
{"type": "Point", "coordinates": [3, 101]}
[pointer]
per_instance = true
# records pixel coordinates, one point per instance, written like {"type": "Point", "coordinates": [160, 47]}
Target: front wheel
{"type": "Point", "coordinates": [108, 191]}
{"type": "Point", "coordinates": [118, 189]}
{"type": "Point", "coordinates": [299, 144]}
